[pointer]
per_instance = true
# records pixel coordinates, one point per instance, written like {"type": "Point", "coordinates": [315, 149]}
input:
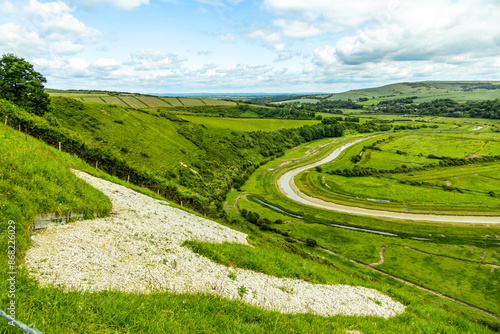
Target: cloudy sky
{"type": "Point", "coordinates": [184, 46]}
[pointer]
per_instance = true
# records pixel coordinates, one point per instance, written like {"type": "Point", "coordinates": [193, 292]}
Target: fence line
{"type": "Point", "coordinates": [26, 329]}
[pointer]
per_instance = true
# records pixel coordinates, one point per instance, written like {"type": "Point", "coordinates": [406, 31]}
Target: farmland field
{"type": "Point", "coordinates": [401, 172]}
{"type": "Point", "coordinates": [240, 124]}
{"type": "Point", "coordinates": [140, 101]}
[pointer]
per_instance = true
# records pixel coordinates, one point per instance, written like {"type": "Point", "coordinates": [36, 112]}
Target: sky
{"type": "Point", "coordinates": [242, 46]}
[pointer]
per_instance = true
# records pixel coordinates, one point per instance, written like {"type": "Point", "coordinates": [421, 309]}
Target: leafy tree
{"type": "Point", "coordinates": [22, 85]}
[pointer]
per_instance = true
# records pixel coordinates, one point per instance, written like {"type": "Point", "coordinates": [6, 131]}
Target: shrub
{"type": "Point", "coordinates": [311, 242]}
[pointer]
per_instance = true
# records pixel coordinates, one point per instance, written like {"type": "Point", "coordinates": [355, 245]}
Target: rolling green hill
{"type": "Point", "coordinates": [427, 91]}
{"type": "Point", "coordinates": [139, 101]}
{"type": "Point", "coordinates": [423, 91]}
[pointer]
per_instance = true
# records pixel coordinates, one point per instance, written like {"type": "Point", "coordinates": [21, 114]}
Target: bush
{"type": "Point", "coordinates": [311, 242]}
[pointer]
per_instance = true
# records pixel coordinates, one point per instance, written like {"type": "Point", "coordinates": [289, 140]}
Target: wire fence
{"type": "Point", "coordinates": [26, 329]}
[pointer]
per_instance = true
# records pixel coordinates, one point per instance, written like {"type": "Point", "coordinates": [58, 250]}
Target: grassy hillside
{"type": "Point", "coordinates": [423, 91]}
{"type": "Point", "coordinates": [427, 91]}
{"type": "Point", "coordinates": [36, 178]}
{"type": "Point", "coordinates": [137, 100]}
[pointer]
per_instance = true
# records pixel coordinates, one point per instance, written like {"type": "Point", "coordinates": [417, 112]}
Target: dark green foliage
{"type": "Point", "coordinates": [356, 158]}
{"type": "Point", "coordinates": [22, 85]}
{"type": "Point", "coordinates": [252, 111]}
{"type": "Point", "coordinates": [311, 242]}
{"type": "Point", "coordinates": [444, 107]}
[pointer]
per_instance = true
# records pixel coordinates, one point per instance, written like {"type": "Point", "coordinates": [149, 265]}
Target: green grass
{"type": "Point", "coordinates": [263, 183]}
{"type": "Point", "coordinates": [36, 179]}
{"type": "Point", "coordinates": [199, 160]}
{"type": "Point", "coordinates": [280, 258]}
{"type": "Point", "coordinates": [425, 91]}
{"type": "Point", "coordinates": [474, 284]}
{"type": "Point", "coordinates": [474, 181]}
{"type": "Point", "coordinates": [137, 100]}
{"type": "Point", "coordinates": [243, 124]}
{"type": "Point", "coordinates": [148, 141]}
{"type": "Point", "coordinates": [453, 242]}
{"type": "Point", "coordinates": [57, 311]}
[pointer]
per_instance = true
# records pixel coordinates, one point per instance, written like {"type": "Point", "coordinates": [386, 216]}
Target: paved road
{"type": "Point", "coordinates": [287, 186]}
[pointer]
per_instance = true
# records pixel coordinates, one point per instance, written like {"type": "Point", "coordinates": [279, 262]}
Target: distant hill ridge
{"type": "Point", "coordinates": [426, 91]}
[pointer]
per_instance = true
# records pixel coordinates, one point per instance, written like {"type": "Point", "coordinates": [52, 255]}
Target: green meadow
{"type": "Point", "coordinates": [407, 178]}
{"type": "Point", "coordinates": [247, 124]}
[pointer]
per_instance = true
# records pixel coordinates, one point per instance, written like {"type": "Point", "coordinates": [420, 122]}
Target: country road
{"type": "Point", "coordinates": [287, 186]}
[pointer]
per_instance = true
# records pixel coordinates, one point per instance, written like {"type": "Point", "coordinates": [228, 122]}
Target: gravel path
{"type": "Point", "coordinates": [138, 249]}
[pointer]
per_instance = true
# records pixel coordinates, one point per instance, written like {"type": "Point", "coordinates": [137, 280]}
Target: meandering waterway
{"type": "Point", "coordinates": [287, 186]}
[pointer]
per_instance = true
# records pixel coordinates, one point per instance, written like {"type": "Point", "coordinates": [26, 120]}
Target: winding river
{"type": "Point", "coordinates": [287, 186]}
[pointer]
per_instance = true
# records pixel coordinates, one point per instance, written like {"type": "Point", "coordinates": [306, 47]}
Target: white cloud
{"type": "Point", "coordinates": [67, 48]}
{"type": "Point", "coordinates": [15, 38]}
{"type": "Point", "coordinates": [204, 52]}
{"type": "Point", "coordinates": [7, 7]}
{"type": "Point", "coordinates": [74, 67]}
{"type": "Point", "coordinates": [338, 14]}
{"type": "Point", "coordinates": [150, 60]}
{"type": "Point", "coordinates": [325, 56]}
{"type": "Point", "coordinates": [229, 38]}
{"type": "Point", "coordinates": [297, 29]}
{"type": "Point", "coordinates": [44, 28]}
{"type": "Point", "coordinates": [378, 30]}
{"type": "Point", "coordinates": [56, 23]}
{"type": "Point", "coordinates": [118, 4]}
{"type": "Point", "coordinates": [105, 64]}
{"type": "Point", "coordinates": [272, 39]}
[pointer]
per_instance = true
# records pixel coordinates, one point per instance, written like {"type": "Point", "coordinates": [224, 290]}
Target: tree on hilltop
{"type": "Point", "coordinates": [22, 85]}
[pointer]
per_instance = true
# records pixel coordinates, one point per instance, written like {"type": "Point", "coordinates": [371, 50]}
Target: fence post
{"type": "Point", "coordinates": [96, 165]}
{"type": "Point", "coordinates": [128, 178]}
{"type": "Point", "coordinates": [59, 146]}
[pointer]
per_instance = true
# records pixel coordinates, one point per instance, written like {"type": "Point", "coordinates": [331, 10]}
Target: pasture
{"type": "Point", "coordinates": [138, 101]}
{"type": "Point", "coordinates": [245, 124]}
{"type": "Point", "coordinates": [397, 182]}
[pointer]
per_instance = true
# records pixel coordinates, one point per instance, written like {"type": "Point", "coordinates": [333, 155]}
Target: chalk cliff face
{"type": "Point", "coordinates": [138, 248]}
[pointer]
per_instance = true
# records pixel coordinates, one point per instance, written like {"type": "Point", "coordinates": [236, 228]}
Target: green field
{"type": "Point", "coordinates": [138, 100]}
{"type": "Point", "coordinates": [243, 124]}
{"type": "Point", "coordinates": [399, 184]}
{"type": "Point", "coordinates": [425, 91]}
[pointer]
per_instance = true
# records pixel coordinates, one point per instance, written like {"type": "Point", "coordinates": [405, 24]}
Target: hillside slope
{"type": "Point", "coordinates": [427, 91]}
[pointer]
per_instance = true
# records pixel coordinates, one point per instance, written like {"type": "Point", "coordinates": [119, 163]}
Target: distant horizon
{"type": "Point", "coordinates": [228, 93]}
